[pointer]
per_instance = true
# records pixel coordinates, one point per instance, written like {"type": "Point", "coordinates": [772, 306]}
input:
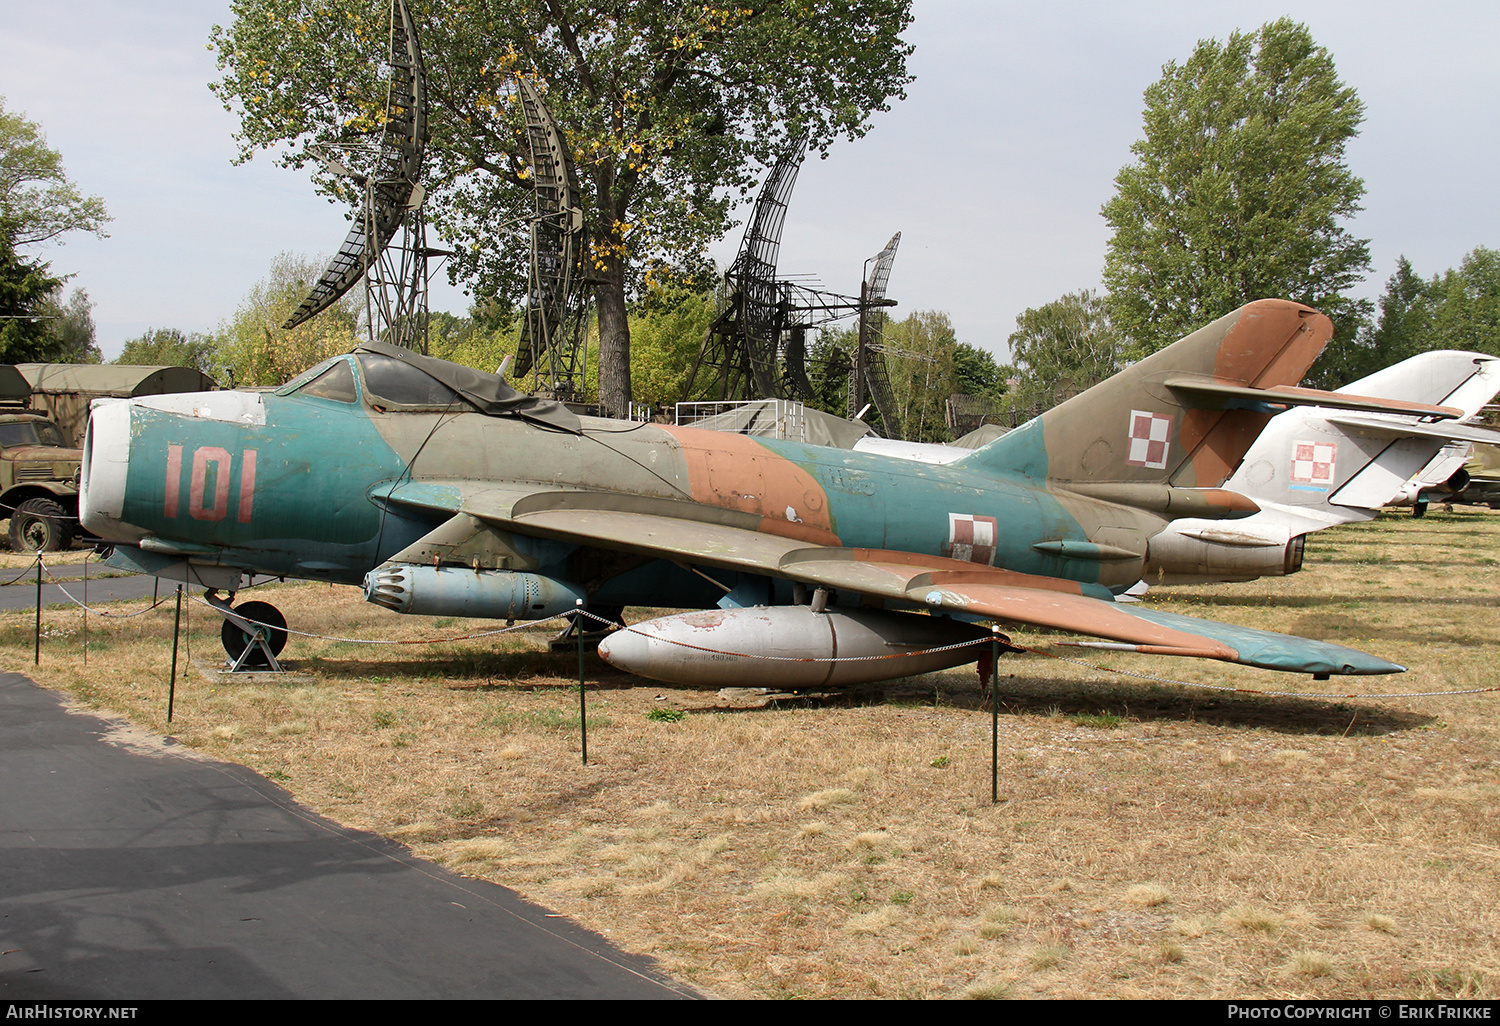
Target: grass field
{"type": "Point", "coordinates": [1152, 839]}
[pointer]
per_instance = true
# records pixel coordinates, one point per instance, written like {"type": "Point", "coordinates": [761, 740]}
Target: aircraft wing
{"type": "Point", "coordinates": [931, 582]}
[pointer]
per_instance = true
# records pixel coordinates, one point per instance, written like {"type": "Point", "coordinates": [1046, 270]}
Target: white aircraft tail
{"type": "Point", "coordinates": [1314, 467]}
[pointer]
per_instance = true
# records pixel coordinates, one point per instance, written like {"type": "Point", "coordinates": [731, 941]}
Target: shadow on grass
{"type": "Point", "coordinates": [1130, 703]}
{"type": "Point", "coordinates": [1019, 695]}
{"type": "Point", "coordinates": [1208, 600]}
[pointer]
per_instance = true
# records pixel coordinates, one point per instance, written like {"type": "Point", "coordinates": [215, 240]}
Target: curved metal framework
{"type": "Point", "coordinates": [395, 276]}
{"type": "Point", "coordinates": [757, 346]}
{"type": "Point", "coordinates": [869, 375]}
{"type": "Point", "coordinates": [552, 334]}
{"type": "Point", "coordinates": [742, 344]}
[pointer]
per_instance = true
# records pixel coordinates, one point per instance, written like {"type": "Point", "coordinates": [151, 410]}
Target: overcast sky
{"type": "Point", "coordinates": [993, 169]}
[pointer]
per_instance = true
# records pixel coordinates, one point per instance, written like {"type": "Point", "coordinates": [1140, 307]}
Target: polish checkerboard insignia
{"type": "Point", "coordinates": [971, 538]}
{"type": "Point", "coordinates": [1312, 464]}
{"type": "Point", "coordinates": [1150, 438]}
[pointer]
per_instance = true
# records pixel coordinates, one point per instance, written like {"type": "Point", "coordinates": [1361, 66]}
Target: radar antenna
{"type": "Point", "coordinates": [395, 275]}
{"type": "Point", "coordinates": [744, 348]}
{"type": "Point", "coordinates": [869, 375]}
{"type": "Point", "coordinates": [552, 333]}
{"type": "Point", "coordinates": [741, 344]}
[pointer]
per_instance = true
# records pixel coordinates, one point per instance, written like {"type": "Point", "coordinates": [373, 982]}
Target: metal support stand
{"type": "Point", "coordinates": [257, 634]}
{"type": "Point", "coordinates": [583, 707]}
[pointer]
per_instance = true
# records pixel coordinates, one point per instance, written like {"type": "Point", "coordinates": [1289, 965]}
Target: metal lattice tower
{"type": "Point", "coordinates": [757, 346]}
{"type": "Point", "coordinates": [395, 275]}
{"type": "Point", "coordinates": [741, 348]}
{"type": "Point", "coordinates": [869, 376]}
{"type": "Point", "coordinates": [552, 334]}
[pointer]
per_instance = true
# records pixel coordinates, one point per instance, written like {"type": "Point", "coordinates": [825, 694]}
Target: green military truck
{"type": "Point", "coordinates": [43, 417]}
{"type": "Point", "coordinates": [38, 471]}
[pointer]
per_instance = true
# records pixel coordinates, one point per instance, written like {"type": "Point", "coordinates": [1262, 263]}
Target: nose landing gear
{"type": "Point", "coordinates": [254, 633]}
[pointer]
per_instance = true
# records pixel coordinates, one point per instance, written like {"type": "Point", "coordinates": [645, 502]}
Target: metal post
{"type": "Point", "coordinates": [994, 715]}
{"type": "Point", "coordinates": [583, 719]}
{"type": "Point", "coordinates": [176, 629]}
{"type": "Point", "coordinates": [38, 630]}
{"type": "Point", "coordinates": [85, 609]}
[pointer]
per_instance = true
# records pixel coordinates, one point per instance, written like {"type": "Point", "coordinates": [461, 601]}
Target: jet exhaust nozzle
{"type": "Point", "coordinates": [458, 591]}
{"type": "Point", "coordinates": [1179, 556]}
{"type": "Point", "coordinates": [789, 647]}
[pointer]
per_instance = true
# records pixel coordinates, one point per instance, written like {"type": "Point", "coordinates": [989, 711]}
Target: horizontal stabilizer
{"type": "Point", "coordinates": [1447, 431]}
{"type": "Point", "coordinates": [1214, 394]}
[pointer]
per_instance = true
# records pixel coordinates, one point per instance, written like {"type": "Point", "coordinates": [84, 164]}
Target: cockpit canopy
{"type": "Point", "coordinates": [398, 379]}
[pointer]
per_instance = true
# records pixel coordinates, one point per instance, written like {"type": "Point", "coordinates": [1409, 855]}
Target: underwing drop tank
{"type": "Point", "coordinates": [790, 647]}
{"type": "Point", "coordinates": [459, 591]}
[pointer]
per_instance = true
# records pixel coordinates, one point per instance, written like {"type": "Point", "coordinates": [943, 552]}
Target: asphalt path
{"type": "Point", "coordinates": [19, 592]}
{"type": "Point", "coordinates": [134, 869]}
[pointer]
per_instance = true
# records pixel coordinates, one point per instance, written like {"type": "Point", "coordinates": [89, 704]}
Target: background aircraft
{"type": "Point", "coordinates": [447, 493]}
{"type": "Point", "coordinates": [1315, 467]}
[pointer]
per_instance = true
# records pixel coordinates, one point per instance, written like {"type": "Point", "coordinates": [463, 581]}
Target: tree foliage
{"type": "Point", "coordinates": [1466, 304]}
{"type": "Point", "coordinates": [667, 329]}
{"type": "Point", "coordinates": [37, 200]}
{"type": "Point", "coordinates": [170, 347]}
{"type": "Point", "coordinates": [1458, 309]}
{"type": "Point", "coordinates": [26, 291]}
{"type": "Point", "coordinates": [252, 348]}
{"type": "Point", "coordinates": [1065, 346]}
{"type": "Point", "coordinates": [1237, 189]}
{"type": "Point", "coordinates": [70, 323]}
{"type": "Point", "coordinates": [667, 107]}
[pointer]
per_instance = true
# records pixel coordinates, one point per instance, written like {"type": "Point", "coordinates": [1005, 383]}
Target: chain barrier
{"type": "Point", "coordinates": [605, 621]}
{"type": "Point", "coordinates": [26, 572]}
{"type": "Point", "coordinates": [57, 583]}
{"type": "Point", "coordinates": [527, 625]}
{"type": "Point", "coordinates": [6, 509]}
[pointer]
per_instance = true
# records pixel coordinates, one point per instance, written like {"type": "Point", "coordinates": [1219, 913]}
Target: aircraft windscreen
{"type": "Point", "coordinates": [306, 376]}
{"type": "Point", "coordinates": [337, 383]}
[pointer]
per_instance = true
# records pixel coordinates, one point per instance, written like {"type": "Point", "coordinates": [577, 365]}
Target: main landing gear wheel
{"type": "Point", "coordinates": [236, 640]}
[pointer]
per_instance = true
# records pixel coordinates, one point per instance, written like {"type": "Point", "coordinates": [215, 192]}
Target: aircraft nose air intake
{"type": "Point", "coordinates": [106, 456]}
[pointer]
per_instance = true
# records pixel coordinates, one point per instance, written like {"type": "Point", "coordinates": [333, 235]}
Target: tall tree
{"type": "Point", "coordinates": [38, 202]}
{"type": "Point", "coordinates": [667, 105]}
{"type": "Point", "coordinates": [170, 347]}
{"type": "Point", "coordinates": [1237, 189]}
{"type": "Point", "coordinates": [70, 322]}
{"type": "Point", "coordinates": [1466, 304]}
{"type": "Point", "coordinates": [26, 290]}
{"type": "Point", "coordinates": [1064, 347]}
{"type": "Point", "coordinates": [1402, 330]}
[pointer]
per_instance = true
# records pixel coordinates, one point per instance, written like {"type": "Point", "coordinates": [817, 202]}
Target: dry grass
{"type": "Point", "coordinates": [12, 561]}
{"type": "Point", "coordinates": [1205, 844]}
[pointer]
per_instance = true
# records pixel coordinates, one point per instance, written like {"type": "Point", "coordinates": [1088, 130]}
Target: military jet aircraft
{"type": "Point", "coordinates": [1314, 467]}
{"type": "Point", "coordinates": [447, 493]}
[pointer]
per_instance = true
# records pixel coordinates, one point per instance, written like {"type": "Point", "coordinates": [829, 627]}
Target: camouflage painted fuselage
{"type": "Point", "coordinates": [329, 489]}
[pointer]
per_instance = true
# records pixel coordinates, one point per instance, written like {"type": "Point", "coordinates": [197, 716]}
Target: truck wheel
{"type": "Point", "coordinates": [40, 525]}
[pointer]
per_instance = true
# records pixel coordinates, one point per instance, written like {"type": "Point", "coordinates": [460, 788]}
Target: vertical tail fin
{"type": "Point", "coordinates": [1134, 429]}
{"type": "Point", "coordinates": [1323, 460]}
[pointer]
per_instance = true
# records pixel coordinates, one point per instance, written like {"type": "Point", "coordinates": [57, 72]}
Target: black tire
{"type": "Point", "coordinates": [236, 640]}
{"type": "Point", "coordinates": [40, 525]}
